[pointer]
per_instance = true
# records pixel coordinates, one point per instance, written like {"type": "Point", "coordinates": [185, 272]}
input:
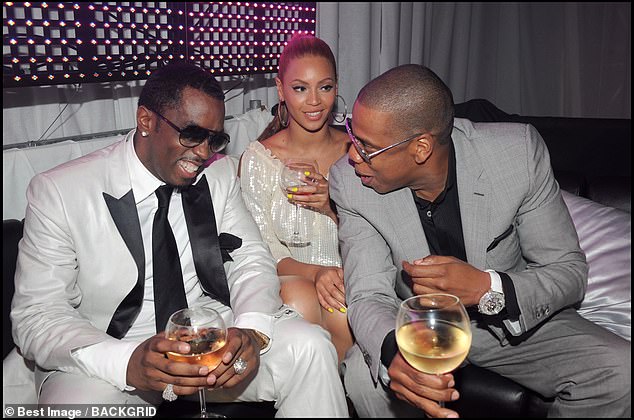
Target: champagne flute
{"type": "Point", "coordinates": [293, 174]}
{"type": "Point", "coordinates": [205, 331]}
{"type": "Point", "coordinates": [433, 333]}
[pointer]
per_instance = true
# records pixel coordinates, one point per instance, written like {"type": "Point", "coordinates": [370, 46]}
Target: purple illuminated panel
{"type": "Point", "coordinates": [63, 42]}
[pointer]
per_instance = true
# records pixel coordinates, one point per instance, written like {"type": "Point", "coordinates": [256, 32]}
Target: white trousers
{"type": "Point", "coordinates": [299, 373]}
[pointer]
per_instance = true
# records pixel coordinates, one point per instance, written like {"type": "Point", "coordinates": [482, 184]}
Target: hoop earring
{"type": "Point", "coordinates": [339, 114]}
{"type": "Point", "coordinates": [283, 122]}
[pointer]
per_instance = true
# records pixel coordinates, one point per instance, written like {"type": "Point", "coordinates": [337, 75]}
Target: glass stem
{"type": "Point", "coordinates": [203, 403]}
{"type": "Point", "coordinates": [296, 232]}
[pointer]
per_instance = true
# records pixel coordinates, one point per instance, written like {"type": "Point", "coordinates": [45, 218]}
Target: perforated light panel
{"type": "Point", "coordinates": [64, 42]}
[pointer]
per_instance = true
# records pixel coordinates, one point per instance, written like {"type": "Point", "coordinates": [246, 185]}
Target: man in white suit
{"type": "Point", "coordinates": [429, 204]}
{"type": "Point", "coordinates": [86, 280]}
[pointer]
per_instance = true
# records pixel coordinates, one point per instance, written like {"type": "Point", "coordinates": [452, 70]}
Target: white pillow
{"type": "Point", "coordinates": [605, 235]}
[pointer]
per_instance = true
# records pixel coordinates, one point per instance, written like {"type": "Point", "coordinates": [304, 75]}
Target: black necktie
{"type": "Point", "coordinates": [169, 293]}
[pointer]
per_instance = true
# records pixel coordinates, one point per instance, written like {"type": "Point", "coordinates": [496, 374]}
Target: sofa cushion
{"type": "Point", "coordinates": [605, 235]}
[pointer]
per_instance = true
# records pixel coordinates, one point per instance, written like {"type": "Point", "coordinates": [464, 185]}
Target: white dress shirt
{"type": "Point", "coordinates": [109, 359]}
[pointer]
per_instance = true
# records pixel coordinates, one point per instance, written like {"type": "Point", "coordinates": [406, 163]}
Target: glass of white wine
{"type": "Point", "coordinates": [433, 333]}
{"type": "Point", "coordinates": [205, 331]}
{"type": "Point", "coordinates": [293, 175]}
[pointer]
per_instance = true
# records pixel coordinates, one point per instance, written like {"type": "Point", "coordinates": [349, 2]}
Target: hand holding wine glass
{"type": "Point", "coordinates": [292, 177]}
{"type": "Point", "coordinates": [205, 332]}
{"type": "Point", "coordinates": [433, 333]}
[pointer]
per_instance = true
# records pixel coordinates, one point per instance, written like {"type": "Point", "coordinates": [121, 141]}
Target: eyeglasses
{"type": "Point", "coordinates": [193, 135]}
{"type": "Point", "coordinates": [367, 156]}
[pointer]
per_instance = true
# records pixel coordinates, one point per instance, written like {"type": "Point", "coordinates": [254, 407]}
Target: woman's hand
{"type": "Point", "coordinates": [330, 289]}
{"type": "Point", "coordinates": [314, 196]}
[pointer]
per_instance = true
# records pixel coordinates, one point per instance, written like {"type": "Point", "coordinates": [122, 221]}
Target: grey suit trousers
{"type": "Point", "coordinates": [596, 382]}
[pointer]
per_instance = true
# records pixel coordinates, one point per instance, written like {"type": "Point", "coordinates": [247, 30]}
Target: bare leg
{"type": "Point", "coordinates": [337, 324]}
{"type": "Point", "coordinates": [299, 292]}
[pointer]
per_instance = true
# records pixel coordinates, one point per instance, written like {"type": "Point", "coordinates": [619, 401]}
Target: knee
{"type": "Point", "coordinates": [617, 367]}
{"type": "Point", "coordinates": [67, 388]}
{"type": "Point", "coordinates": [606, 375]}
{"type": "Point", "coordinates": [336, 323]}
{"type": "Point", "coordinates": [307, 340]}
{"type": "Point", "coordinates": [611, 382]}
{"type": "Point", "coordinates": [299, 293]}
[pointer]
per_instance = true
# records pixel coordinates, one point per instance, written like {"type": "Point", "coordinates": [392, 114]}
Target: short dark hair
{"type": "Point", "coordinates": [416, 97]}
{"type": "Point", "coordinates": [164, 88]}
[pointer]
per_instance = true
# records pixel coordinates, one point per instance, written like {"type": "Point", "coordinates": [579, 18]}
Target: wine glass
{"type": "Point", "coordinates": [205, 332]}
{"type": "Point", "coordinates": [433, 333]}
{"type": "Point", "coordinates": [293, 174]}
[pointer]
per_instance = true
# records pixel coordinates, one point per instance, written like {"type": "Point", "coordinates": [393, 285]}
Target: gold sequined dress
{"type": "Point", "coordinates": [264, 197]}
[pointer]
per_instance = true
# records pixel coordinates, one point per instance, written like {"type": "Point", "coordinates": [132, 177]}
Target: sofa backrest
{"type": "Point", "coordinates": [591, 157]}
{"type": "Point", "coordinates": [11, 235]}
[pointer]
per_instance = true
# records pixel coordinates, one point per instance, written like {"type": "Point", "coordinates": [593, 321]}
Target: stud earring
{"type": "Point", "coordinates": [144, 133]}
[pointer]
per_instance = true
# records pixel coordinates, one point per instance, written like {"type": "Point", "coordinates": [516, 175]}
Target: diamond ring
{"type": "Point", "coordinates": [240, 366]}
{"type": "Point", "coordinates": [169, 394]}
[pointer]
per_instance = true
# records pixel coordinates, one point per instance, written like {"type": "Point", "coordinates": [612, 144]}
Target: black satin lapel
{"type": "Point", "coordinates": [203, 235]}
{"type": "Point", "coordinates": [124, 214]}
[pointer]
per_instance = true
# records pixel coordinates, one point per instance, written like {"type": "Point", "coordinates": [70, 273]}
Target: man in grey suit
{"type": "Point", "coordinates": [429, 203]}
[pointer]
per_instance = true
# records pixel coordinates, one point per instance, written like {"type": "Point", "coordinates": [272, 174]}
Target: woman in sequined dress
{"type": "Point", "coordinates": [311, 276]}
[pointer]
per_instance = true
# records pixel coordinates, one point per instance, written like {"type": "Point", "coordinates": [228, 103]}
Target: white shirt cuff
{"type": "Point", "coordinates": [257, 321]}
{"type": "Point", "coordinates": [496, 281]}
{"type": "Point", "coordinates": [383, 375]}
{"type": "Point", "coordinates": [496, 285]}
{"type": "Point", "coordinates": [107, 360]}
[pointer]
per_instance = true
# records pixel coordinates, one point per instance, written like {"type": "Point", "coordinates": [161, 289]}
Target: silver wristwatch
{"type": "Point", "coordinates": [491, 303]}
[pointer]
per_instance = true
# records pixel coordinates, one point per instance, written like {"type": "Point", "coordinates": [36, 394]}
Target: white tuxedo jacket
{"type": "Point", "coordinates": [74, 267]}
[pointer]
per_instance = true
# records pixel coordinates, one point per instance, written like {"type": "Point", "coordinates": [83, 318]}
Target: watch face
{"type": "Point", "coordinates": [491, 303]}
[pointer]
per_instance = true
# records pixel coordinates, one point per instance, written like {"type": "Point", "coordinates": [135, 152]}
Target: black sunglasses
{"type": "Point", "coordinates": [193, 135]}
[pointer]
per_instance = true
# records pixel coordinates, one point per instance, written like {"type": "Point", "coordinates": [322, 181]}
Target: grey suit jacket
{"type": "Point", "coordinates": [504, 180]}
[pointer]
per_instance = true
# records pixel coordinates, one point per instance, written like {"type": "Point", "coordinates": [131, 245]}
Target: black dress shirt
{"type": "Point", "coordinates": [442, 225]}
